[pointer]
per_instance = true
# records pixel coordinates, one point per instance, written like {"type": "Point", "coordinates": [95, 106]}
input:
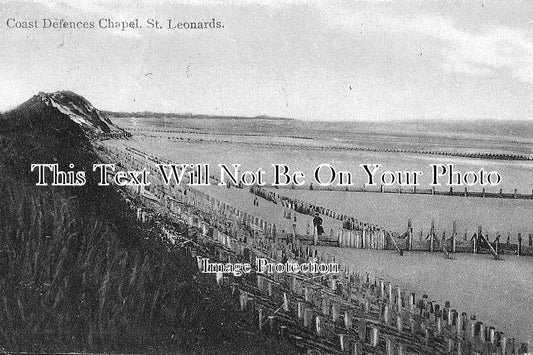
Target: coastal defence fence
{"type": "Point", "coordinates": [114, 135]}
{"type": "Point", "coordinates": [342, 313]}
{"type": "Point", "coordinates": [418, 191]}
{"type": "Point", "coordinates": [361, 240]}
{"type": "Point", "coordinates": [178, 133]}
{"type": "Point", "coordinates": [337, 313]}
{"type": "Point", "coordinates": [358, 234]}
{"type": "Point", "coordinates": [361, 235]}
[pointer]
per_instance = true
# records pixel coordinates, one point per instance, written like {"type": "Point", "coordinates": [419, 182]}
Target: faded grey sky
{"type": "Point", "coordinates": [328, 60]}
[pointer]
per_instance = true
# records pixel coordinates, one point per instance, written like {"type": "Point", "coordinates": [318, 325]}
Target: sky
{"type": "Point", "coordinates": [314, 60]}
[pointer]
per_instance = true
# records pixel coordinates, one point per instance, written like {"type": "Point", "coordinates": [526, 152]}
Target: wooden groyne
{"type": "Point", "coordinates": [114, 135]}
{"type": "Point", "coordinates": [339, 313]}
{"type": "Point", "coordinates": [473, 155]}
{"type": "Point", "coordinates": [362, 235]}
{"type": "Point", "coordinates": [334, 314]}
{"type": "Point", "coordinates": [514, 194]}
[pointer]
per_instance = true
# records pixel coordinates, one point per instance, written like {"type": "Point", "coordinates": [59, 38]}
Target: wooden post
{"type": "Point", "coordinates": [492, 335]}
{"type": "Point", "coordinates": [308, 317]}
{"type": "Point", "coordinates": [374, 336]}
{"type": "Point", "coordinates": [431, 236]}
{"type": "Point", "coordinates": [342, 339]}
{"type": "Point", "coordinates": [454, 236]}
{"type": "Point", "coordinates": [357, 348]}
{"type": "Point", "coordinates": [412, 324]}
{"type": "Point", "coordinates": [389, 346]}
{"type": "Point", "coordinates": [399, 305]}
{"type": "Point", "coordinates": [519, 250]}
{"type": "Point", "coordinates": [503, 344]}
{"type": "Point", "coordinates": [347, 320]}
{"type": "Point", "coordinates": [472, 328]}
{"type": "Point", "coordinates": [243, 298]}
{"type": "Point", "coordinates": [409, 235]}
{"type": "Point", "coordinates": [401, 346]}
{"type": "Point", "coordinates": [449, 315]}
{"type": "Point", "coordinates": [449, 345]}
{"type": "Point", "coordinates": [367, 305]}
{"type": "Point", "coordinates": [386, 315]}
{"type": "Point", "coordinates": [335, 310]}
{"type": "Point", "coordinates": [459, 325]}
{"type": "Point", "coordinates": [460, 346]}
{"type": "Point", "coordinates": [325, 306]}
{"type": "Point", "coordinates": [260, 282]}
{"type": "Point", "coordinates": [271, 324]}
{"type": "Point", "coordinates": [333, 284]}
{"type": "Point", "coordinates": [479, 328]}
{"type": "Point", "coordinates": [293, 233]}
{"type": "Point", "coordinates": [361, 330]}
{"type": "Point", "coordinates": [399, 323]}
{"type": "Point", "coordinates": [260, 318]}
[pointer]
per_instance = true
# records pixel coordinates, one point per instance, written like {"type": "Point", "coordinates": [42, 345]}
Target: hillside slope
{"type": "Point", "coordinates": [78, 273]}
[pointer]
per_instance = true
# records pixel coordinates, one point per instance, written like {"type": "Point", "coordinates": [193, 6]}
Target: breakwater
{"type": "Point", "coordinates": [346, 312]}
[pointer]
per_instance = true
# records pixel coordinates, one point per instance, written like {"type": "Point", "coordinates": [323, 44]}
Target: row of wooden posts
{"type": "Point", "coordinates": [350, 312]}
{"type": "Point", "coordinates": [347, 312]}
{"type": "Point", "coordinates": [370, 236]}
{"type": "Point", "coordinates": [465, 192]}
{"type": "Point", "coordinates": [356, 234]}
{"type": "Point", "coordinates": [484, 155]}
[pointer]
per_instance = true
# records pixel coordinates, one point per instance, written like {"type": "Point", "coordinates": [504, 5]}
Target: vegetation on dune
{"type": "Point", "coordinates": [78, 273]}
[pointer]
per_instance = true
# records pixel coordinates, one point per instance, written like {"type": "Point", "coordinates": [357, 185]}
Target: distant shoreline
{"type": "Point", "coordinates": [149, 114]}
{"type": "Point", "coordinates": [443, 120]}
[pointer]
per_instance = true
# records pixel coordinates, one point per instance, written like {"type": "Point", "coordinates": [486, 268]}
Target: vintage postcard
{"type": "Point", "coordinates": [266, 177]}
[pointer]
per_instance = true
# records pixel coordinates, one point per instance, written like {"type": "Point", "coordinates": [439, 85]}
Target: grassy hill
{"type": "Point", "coordinates": [77, 273]}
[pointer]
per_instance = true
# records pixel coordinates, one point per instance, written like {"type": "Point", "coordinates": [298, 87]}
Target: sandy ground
{"type": "Point", "coordinates": [254, 152]}
{"type": "Point", "coordinates": [270, 212]}
{"type": "Point", "coordinates": [515, 174]}
{"type": "Point", "coordinates": [499, 293]}
{"type": "Point", "coordinates": [392, 211]}
{"type": "Point", "coordinates": [388, 210]}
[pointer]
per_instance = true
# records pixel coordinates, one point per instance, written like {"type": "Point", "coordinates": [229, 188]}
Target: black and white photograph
{"type": "Point", "coordinates": [266, 177]}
